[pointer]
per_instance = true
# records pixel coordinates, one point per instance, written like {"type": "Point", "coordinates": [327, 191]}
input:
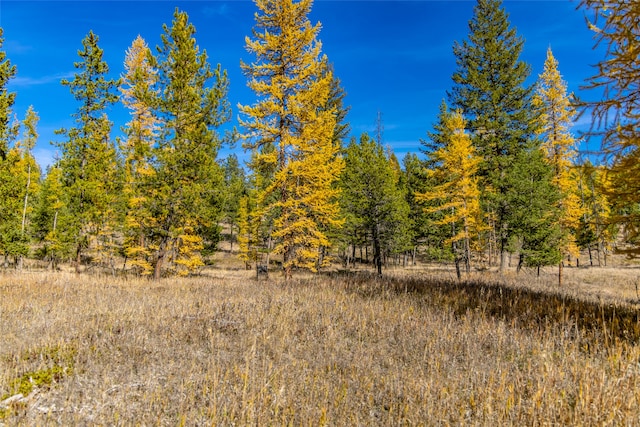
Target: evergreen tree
{"type": "Point", "coordinates": [52, 219]}
{"type": "Point", "coordinates": [235, 188]}
{"type": "Point", "coordinates": [489, 89]}
{"type": "Point", "coordinates": [558, 146]}
{"type": "Point", "coordinates": [7, 99]}
{"type": "Point", "coordinates": [457, 193]}
{"type": "Point", "coordinates": [537, 225]}
{"type": "Point", "coordinates": [292, 133]}
{"type": "Point", "coordinates": [184, 200]}
{"type": "Point", "coordinates": [415, 179]}
{"type": "Point", "coordinates": [375, 204]}
{"type": "Point", "coordinates": [88, 156]}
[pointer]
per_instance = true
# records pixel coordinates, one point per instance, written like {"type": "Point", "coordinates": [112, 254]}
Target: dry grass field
{"type": "Point", "coordinates": [414, 348]}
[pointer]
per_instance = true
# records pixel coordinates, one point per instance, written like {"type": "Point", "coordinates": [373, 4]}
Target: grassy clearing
{"type": "Point", "coordinates": [343, 350]}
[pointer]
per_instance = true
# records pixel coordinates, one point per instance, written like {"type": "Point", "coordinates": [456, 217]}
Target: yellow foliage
{"type": "Point", "coordinates": [290, 133]}
{"type": "Point", "coordinates": [558, 145]}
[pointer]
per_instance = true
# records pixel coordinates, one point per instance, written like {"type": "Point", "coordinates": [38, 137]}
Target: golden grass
{"type": "Point", "coordinates": [341, 350]}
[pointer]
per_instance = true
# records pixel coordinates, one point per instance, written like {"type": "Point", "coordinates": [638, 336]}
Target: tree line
{"type": "Point", "coordinates": [499, 178]}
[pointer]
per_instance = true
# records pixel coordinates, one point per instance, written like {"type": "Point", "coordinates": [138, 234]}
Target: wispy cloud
{"type": "Point", "coordinates": [25, 81]}
{"type": "Point", "coordinates": [216, 9]}
{"type": "Point", "coordinates": [14, 47]}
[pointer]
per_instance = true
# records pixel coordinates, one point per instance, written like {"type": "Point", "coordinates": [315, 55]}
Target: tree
{"type": "Point", "coordinates": [291, 133]}
{"type": "Point", "coordinates": [88, 159]}
{"type": "Point", "coordinates": [52, 219]}
{"type": "Point", "coordinates": [191, 103]}
{"type": "Point", "coordinates": [457, 193]}
{"type": "Point", "coordinates": [235, 188]}
{"type": "Point", "coordinates": [615, 110]}
{"type": "Point", "coordinates": [537, 227]}
{"type": "Point", "coordinates": [597, 226]}
{"type": "Point", "coordinates": [375, 205]}
{"type": "Point", "coordinates": [558, 145]}
{"type": "Point", "coordinates": [489, 89]}
{"type": "Point", "coordinates": [138, 87]}
{"type": "Point", "coordinates": [7, 99]}
{"type": "Point", "coordinates": [415, 177]}
{"type": "Point", "coordinates": [436, 233]}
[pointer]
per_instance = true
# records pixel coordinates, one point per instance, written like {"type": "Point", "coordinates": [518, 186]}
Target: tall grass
{"type": "Point", "coordinates": [341, 350]}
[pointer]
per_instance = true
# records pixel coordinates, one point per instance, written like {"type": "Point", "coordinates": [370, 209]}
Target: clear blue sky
{"type": "Point", "coordinates": [392, 56]}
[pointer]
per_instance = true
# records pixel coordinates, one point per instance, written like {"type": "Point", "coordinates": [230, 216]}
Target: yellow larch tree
{"type": "Point", "coordinates": [457, 195]}
{"type": "Point", "coordinates": [290, 132]}
{"type": "Point", "coordinates": [138, 84]}
{"type": "Point", "coordinates": [558, 145]}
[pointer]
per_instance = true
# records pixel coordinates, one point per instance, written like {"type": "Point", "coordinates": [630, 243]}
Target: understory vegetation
{"type": "Point", "coordinates": [342, 349]}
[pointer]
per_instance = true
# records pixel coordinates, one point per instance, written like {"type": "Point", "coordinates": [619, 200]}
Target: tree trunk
{"type": "Point", "coordinates": [560, 265]}
{"type": "Point", "coordinates": [162, 253]}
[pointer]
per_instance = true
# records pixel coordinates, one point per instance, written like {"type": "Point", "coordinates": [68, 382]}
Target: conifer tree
{"type": "Point", "coordinates": [537, 224]}
{"type": "Point", "coordinates": [489, 87]}
{"type": "Point", "coordinates": [235, 187]}
{"type": "Point", "coordinates": [9, 128]}
{"type": "Point", "coordinates": [27, 173]}
{"type": "Point", "coordinates": [138, 87]}
{"type": "Point", "coordinates": [291, 133]}
{"type": "Point", "coordinates": [7, 99]}
{"type": "Point", "coordinates": [614, 109]}
{"type": "Point", "coordinates": [415, 178]}
{"type": "Point", "coordinates": [191, 104]}
{"type": "Point", "coordinates": [438, 138]}
{"type": "Point", "coordinates": [457, 193]}
{"type": "Point", "coordinates": [88, 159]}
{"type": "Point", "coordinates": [53, 220]}
{"type": "Point", "coordinates": [371, 196]}
{"type": "Point", "coordinates": [558, 145]}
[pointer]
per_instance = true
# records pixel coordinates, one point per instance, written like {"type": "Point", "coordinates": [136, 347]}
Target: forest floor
{"type": "Point", "coordinates": [415, 347]}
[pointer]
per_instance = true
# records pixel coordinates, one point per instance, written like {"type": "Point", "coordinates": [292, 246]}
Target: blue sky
{"type": "Point", "coordinates": [392, 56]}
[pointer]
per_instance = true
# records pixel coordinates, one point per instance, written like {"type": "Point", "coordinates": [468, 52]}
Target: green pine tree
{"type": "Point", "coordinates": [375, 206]}
{"type": "Point", "coordinates": [489, 87]}
{"type": "Point", "coordinates": [88, 161]}
{"type": "Point", "coordinates": [184, 197]}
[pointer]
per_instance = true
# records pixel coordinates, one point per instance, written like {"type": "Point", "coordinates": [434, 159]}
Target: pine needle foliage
{"type": "Point", "coordinates": [89, 161]}
{"type": "Point", "coordinates": [489, 87]}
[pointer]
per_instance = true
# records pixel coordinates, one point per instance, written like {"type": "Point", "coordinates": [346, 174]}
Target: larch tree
{"type": "Point", "coordinates": [457, 194]}
{"type": "Point", "coordinates": [559, 147]}
{"type": "Point", "coordinates": [291, 133]}
{"type": "Point", "coordinates": [597, 228]}
{"type": "Point", "coordinates": [137, 89]}
{"type": "Point", "coordinates": [184, 198]}
{"type": "Point", "coordinates": [436, 233]}
{"type": "Point", "coordinates": [377, 210]}
{"type": "Point", "coordinates": [88, 159]}
{"type": "Point", "coordinates": [489, 87]}
{"type": "Point", "coordinates": [615, 112]}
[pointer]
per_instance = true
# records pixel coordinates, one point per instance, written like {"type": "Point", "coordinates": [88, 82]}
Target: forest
{"type": "Point", "coordinates": [498, 180]}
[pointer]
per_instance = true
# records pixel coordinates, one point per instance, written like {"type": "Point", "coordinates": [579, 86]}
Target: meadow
{"type": "Point", "coordinates": [416, 348]}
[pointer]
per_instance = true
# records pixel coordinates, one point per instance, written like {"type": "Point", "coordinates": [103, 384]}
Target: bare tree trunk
{"type": "Point", "coordinates": [560, 265]}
